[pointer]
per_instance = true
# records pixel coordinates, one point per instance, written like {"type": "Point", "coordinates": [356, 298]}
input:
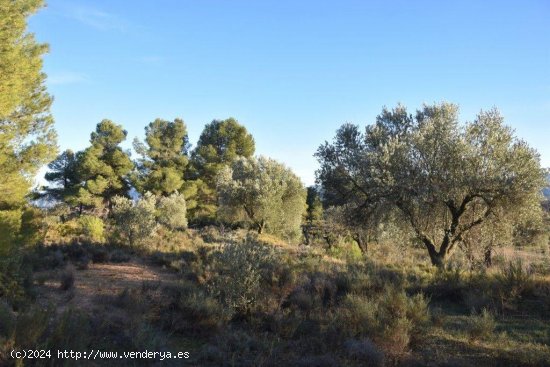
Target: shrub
{"type": "Point", "coordinates": [15, 279]}
{"type": "Point", "coordinates": [100, 255]}
{"type": "Point", "coordinates": [119, 256]}
{"type": "Point", "coordinates": [390, 318]}
{"type": "Point", "coordinates": [71, 331]}
{"type": "Point", "coordinates": [135, 221]}
{"type": "Point", "coordinates": [91, 227]}
{"type": "Point", "coordinates": [349, 251]}
{"type": "Point", "coordinates": [172, 211]}
{"type": "Point", "coordinates": [418, 312]}
{"type": "Point", "coordinates": [7, 321]}
{"type": "Point", "coordinates": [67, 279]}
{"type": "Point", "coordinates": [239, 270]}
{"type": "Point", "coordinates": [366, 351]}
{"type": "Point", "coordinates": [481, 326]}
{"type": "Point", "coordinates": [192, 310]}
{"type": "Point", "coordinates": [317, 361]}
{"type": "Point", "coordinates": [212, 234]}
{"type": "Point", "coordinates": [31, 326]}
{"type": "Point", "coordinates": [516, 278]}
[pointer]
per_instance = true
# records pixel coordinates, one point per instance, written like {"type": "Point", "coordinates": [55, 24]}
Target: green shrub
{"type": "Point", "coordinates": [481, 326]}
{"type": "Point", "coordinates": [358, 316]}
{"type": "Point", "coordinates": [191, 310]}
{"type": "Point", "coordinates": [212, 234]}
{"type": "Point", "coordinates": [15, 280]}
{"type": "Point", "coordinates": [516, 278]}
{"type": "Point", "coordinates": [391, 319]}
{"type": "Point", "coordinates": [239, 271]}
{"type": "Point", "coordinates": [348, 251]}
{"type": "Point", "coordinates": [91, 227]}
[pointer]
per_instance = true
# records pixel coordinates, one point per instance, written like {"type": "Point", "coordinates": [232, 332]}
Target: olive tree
{"type": "Point", "coordinates": [266, 193]}
{"type": "Point", "coordinates": [135, 220]}
{"type": "Point", "coordinates": [445, 178]}
{"type": "Point", "coordinates": [172, 211]}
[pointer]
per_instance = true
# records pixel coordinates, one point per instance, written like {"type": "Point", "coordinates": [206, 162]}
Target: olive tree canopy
{"type": "Point", "coordinates": [268, 194]}
{"type": "Point", "coordinates": [445, 178]}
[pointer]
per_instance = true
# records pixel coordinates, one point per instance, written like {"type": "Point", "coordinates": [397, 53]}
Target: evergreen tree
{"type": "Point", "coordinates": [164, 157]}
{"type": "Point", "coordinates": [221, 143]}
{"type": "Point", "coordinates": [104, 166]}
{"type": "Point", "coordinates": [64, 178]}
{"type": "Point", "coordinates": [27, 138]}
{"type": "Point", "coordinates": [314, 211]}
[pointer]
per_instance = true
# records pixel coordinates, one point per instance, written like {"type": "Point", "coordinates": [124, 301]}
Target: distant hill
{"type": "Point", "coordinates": [546, 190]}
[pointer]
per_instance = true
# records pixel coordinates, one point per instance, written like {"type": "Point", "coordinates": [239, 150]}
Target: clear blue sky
{"type": "Point", "coordinates": [293, 71]}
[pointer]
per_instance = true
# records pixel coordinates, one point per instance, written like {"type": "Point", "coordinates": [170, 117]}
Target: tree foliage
{"type": "Point", "coordinates": [445, 178]}
{"type": "Point", "coordinates": [135, 220]}
{"type": "Point", "coordinates": [220, 143]}
{"type": "Point", "coordinates": [172, 211]}
{"type": "Point", "coordinates": [64, 178]}
{"type": "Point", "coordinates": [314, 212]}
{"type": "Point", "coordinates": [104, 166]}
{"type": "Point", "coordinates": [164, 157]}
{"type": "Point", "coordinates": [265, 192]}
{"type": "Point", "coordinates": [27, 138]}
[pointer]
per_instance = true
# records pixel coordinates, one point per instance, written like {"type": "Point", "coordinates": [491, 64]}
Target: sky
{"type": "Point", "coordinates": [292, 71]}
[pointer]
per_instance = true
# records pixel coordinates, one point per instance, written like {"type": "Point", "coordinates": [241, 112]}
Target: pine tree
{"type": "Point", "coordinates": [27, 138]}
{"type": "Point", "coordinates": [64, 178]}
{"type": "Point", "coordinates": [164, 157]}
{"type": "Point", "coordinates": [104, 166]}
{"type": "Point", "coordinates": [221, 143]}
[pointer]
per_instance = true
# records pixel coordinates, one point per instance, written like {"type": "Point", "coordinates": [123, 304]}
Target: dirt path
{"type": "Point", "coordinates": [98, 280]}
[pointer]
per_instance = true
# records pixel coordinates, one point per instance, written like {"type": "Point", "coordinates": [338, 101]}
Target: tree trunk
{"type": "Point", "coordinates": [438, 258]}
{"type": "Point", "coordinates": [488, 256]}
{"type": "Point", "coordinates": [260, 226]}
{"type": "Point", "coordinates": [305, 231]}
{"type": "Point", "coordinates": [362, 243]}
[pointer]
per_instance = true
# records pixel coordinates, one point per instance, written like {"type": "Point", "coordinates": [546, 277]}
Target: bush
{"type": "Point", "coordinates": [31, 326]}
{"type": "Point", "coordinates": [390, 319]}
{"type": "Point", "coordinates": [191, 310]}
{"type": "Point", "coordinates": [516, 278]}
{"type": "Point", "coordinates": [91, 227]}
{"type": "Point", "coordinates": [67, 279]}
{"type": "Point", "coordinates": [71, 331]}
{"type": "Point", "coordinates": [119, 256]}
{"type": "Point", "coordinates": [7, 322]}
{"type": "Point", "coordinates": [366, 351]}
{"type": "Point", "coordinates": [172, 212]}
{"type": "Point", "coordinates": [135, 221]}
{"type": "Point", "coordinates": [240, 269]}
{"type": "Point", "coordinates": [15, 280]}
{"type": "Point", "coordinates": [481, 326]}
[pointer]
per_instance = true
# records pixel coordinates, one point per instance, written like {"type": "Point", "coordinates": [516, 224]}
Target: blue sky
{"type": "Point", "coordinates": [293, 71]}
